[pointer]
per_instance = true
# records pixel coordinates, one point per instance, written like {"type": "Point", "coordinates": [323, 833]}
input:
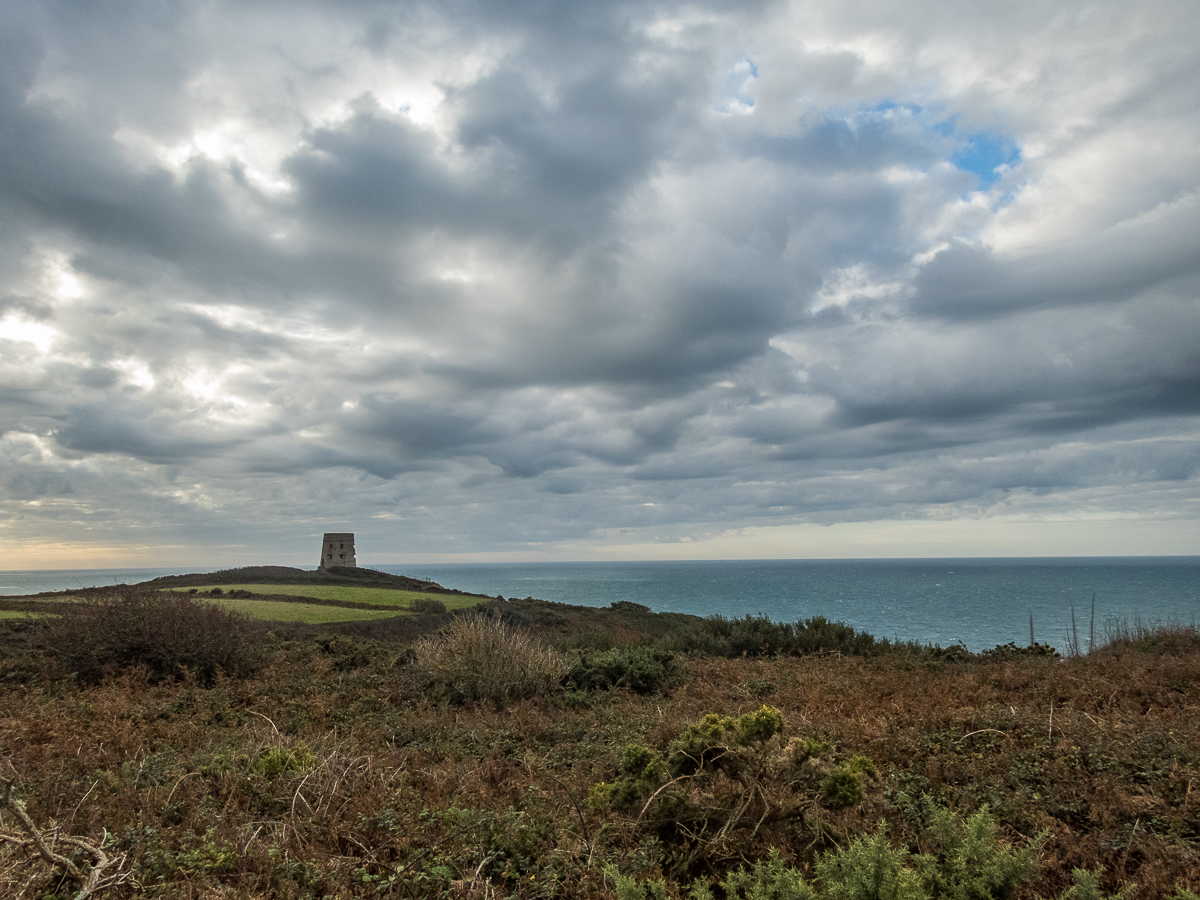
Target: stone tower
{"type": "Point", "coordinates": [337, 549]}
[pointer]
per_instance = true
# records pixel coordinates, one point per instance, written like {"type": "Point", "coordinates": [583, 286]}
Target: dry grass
{"type": "Point", "coordinates": [331, 772]}
{"type": "Point", "coordinates": [482, 658]}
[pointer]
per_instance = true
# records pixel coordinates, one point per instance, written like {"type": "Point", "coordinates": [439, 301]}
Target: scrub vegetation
{"type": "Point", "coordinates": [155, 745]}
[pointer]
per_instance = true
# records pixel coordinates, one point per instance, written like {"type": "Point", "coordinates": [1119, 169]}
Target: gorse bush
{"type": "Point", "coordinates": [641, 669]}
{"type": "Point", "coordinates": [819, 635]}
{"type": "Point", "coordinates": [719, 636]}
{"type": "Point", "coordinates": [479, 658]}
{"type": "Point", "coordinates": [166, 633]}
{"type": "Point", "coordinates": [758, 636]}
{"type": "Point", "coordinates": [1012, 651]}
{"type": "Point", "coordinates": [723, 782]}
{"type": "Point", "coordinates": [968, 862]}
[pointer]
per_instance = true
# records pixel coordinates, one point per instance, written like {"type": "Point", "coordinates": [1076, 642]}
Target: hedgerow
{"type": "Point", "coordinates": [166, 634]}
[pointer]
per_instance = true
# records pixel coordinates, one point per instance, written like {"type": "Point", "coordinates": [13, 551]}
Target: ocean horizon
{"type": "Point", "coordinates": [979, 603]}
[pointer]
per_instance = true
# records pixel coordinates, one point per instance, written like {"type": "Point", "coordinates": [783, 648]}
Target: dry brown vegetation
{"type": "Point", "coordinates": [330, 772]}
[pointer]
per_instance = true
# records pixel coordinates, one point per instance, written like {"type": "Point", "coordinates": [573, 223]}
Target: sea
{"type": "Point", "coordinates": [978, 603]}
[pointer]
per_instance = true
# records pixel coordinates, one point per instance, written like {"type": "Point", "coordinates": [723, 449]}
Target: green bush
{"type": "Point", "coordinates": [758, 636]}
{"type": "Point", "coordinates": [166, 633]}
{"type": "Point", "coordinates": [639, 772]}
{"type": "Point", "coordinates": [279, 761]}
{"type": "Point", "coordinates": [641, 669]}
{"type": "Point", "coordinates": [819, 635]}
{"type": "Point", "coordinates": [479, 658]}
{"type": "Point", "coordinates": [966, 858]}
{"type": "Point", "coordinates": [428, 605]}
{"type": "Point", "coordinates": [842, 788]}
{"type": "Point", "coordinates": [770, 880]}
{"type": "Point", "coordinates": [1087, 887]}
{"type": "Point", "coordinates": [698, 639]}
{"type": "Point", "coordinates": [1011, 651]}
{"type": "Point", "coordinates": [868, 869]}
{"type": "Point", "coordinates": [967, 862]}
{"type": "Point", "coordinates": [721, 782]}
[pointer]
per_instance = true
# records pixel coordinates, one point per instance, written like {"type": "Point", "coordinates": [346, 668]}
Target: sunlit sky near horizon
{"type": "Point", "coordinates": [650, 280]}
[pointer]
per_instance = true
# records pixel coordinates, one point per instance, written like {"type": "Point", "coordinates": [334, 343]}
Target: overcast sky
{"type": "Point", "coordinates": [550, 280]}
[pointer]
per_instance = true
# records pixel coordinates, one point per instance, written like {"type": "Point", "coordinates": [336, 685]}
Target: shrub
{"type": "Point", "coordinates": [1087, 887]}
{"type": "Point", "coordinates": [1171, 638]}
{"type": "Point", "coordinates": [639, 772]}
{"type": "Point", "coordinates": [758, 636]}
{"type": "Point", "coordinates": [698, 639]}
{"type": "Point", "coordinates": [751, 635]}
{"type": "Point", "coordinates": [277, 761]}
{"type": "Point", "coordinates": [477, 658]}
{"type": "Point", "coordinates": [721, 782]}
{"type": "Point", "coordinates": [819, 635]}
{"type": "Point", "coordinates": [1011, 651]}
{"type": "Point", "coordinates": [641, 669]}
{"type": "Point", "coordinates": [770, 880]}
{"type": "Point", "coordinates": [968, 859]}
{"type": "Point", "coordinates": [842, 788]}
{"type": "Point", "coordinates": [166, 633]}
{"type": "Point", "coordinates": [868, 869]}
{"type": "Point", "coordinates": [969, 863]}
{"type": "Point", "coordinates": [428, 605]}
{"type": "Point", "coordinates": [628, 606]}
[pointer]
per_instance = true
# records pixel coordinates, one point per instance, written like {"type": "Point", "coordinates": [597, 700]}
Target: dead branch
{"type": "Point", "coordinates": [91, 879]}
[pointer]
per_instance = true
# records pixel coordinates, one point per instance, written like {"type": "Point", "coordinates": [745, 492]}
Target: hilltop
{"type": "Point", "coordinates": [336, 575]}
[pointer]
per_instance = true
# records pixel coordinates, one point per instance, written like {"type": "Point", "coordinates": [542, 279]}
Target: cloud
{"type": "Point", "coordinates": [1118, 264]}
{"type": "Point", "coordinates": [475, 279]}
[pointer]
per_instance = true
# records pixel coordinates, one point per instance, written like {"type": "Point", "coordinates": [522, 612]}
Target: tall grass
{"type": "Point", "coordinates": [481, 658]}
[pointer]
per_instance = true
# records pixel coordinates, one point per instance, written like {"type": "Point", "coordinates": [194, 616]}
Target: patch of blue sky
{"type": "Point", "coordinates": [983, 154]}
{"type": "Point", "coordinates": [742, 72]}
{"type": "Point", "coordinates": [889, 105]}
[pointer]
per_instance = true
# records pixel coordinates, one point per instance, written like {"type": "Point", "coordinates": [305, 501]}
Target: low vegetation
{"type": "Point", "coordinates": [476, 658]}
{"type": "Point", "coordinates": [154, 745]}
{"type": "Point", "coordinates": [108, 632]}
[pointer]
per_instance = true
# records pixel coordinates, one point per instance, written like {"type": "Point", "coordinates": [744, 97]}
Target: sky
{"type": "Point", "coordinates": [543, 280]}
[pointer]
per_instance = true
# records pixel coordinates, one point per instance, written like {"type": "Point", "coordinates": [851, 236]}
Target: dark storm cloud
{"type": "Point", "coordinates": [488, 275]}
{"type": "Point", "coordinates": [135, 428]}
{"type": "Point", "coordinates": [964, 282]}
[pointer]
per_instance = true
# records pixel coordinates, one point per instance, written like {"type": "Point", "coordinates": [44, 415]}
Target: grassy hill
{"type": "Point", "coordinates": [285, 594]}
{"type": "Point", "coordinates": [280, 575]}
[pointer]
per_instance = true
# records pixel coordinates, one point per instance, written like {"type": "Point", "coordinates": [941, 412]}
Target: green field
{"type": "Point", "coordinates": [387, 598]}
{"type": "Point", "coordinates": [272, 610]}
{"type": "Point", "coordinates": [282, 611]}
{"type": "Point", "coordinates": [387, 602]}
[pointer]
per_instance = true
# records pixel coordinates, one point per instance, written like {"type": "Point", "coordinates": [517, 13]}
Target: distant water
{"type": "Point", "coordinates": [34, 581]}
{"type": "Point", "coordinates": [978, 602]}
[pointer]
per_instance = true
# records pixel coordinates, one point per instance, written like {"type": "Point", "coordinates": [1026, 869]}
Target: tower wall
{"type": "Point", "coordinates": [337, 549]}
